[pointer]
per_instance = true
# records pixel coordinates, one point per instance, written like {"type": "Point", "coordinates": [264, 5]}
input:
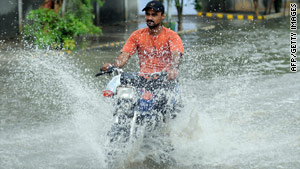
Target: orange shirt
{"type": "Point", "coordinates": [154, 51]}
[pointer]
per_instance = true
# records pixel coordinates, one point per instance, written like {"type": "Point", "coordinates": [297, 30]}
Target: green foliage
{"type": "Point", "coordinates": [170, 25]}
{"type": "Point", "coordinates": [82, 9]}
{"type": "Point", "coordinates": [198, 5]}
{"type": "Point", "coordinates": [69, 44]}
{"type": "Point", "coordinates": [45, 28]}
{"type": "Point", "coordinates": [178, 3]}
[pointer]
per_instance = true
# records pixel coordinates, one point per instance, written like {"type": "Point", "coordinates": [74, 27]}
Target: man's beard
{"type": "Point", "coordinates": [153, 26]}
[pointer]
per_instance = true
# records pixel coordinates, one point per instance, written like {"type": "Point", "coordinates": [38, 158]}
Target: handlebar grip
{"type": "Point", "coordinates": [108, 71]}
{"type": "Point", "coordinates": [99, 74]}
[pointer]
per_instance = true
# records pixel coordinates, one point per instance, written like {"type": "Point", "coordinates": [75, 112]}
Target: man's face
{"type": "Point", "coordinates": [153, 18]}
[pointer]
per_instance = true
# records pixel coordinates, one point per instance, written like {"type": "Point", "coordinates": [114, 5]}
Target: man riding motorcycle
{"type": "Point", "coordinates": [159, 51]}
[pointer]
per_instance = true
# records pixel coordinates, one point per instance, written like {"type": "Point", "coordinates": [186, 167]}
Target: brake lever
{"type": "Point", "coordinates": [99, 74]}
{"type": "Point", "coordinates": [110, 70]}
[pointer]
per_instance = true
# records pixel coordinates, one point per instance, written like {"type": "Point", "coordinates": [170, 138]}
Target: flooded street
{"type": "Point", "coordinates": [241, 103]}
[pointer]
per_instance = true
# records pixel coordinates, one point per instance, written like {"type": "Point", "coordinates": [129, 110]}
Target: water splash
{"type": "Point", "coordinates": [57, 113]}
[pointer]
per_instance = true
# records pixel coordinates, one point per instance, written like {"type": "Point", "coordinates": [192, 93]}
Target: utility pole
{"type": "Point", "coordinates": [126, 10]}
{"type": "Point", "coordinates": [63, 8]}
{"type": "Point", "coordinates": [169, 11]}
{"type": "Point", "coordinates": [20, 11]}
{"type": "Point", "coordinates": [97, 14]}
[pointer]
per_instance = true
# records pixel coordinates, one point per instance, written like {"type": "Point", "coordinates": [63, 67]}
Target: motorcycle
{"type": "Point", "coordinates": [141, 105]}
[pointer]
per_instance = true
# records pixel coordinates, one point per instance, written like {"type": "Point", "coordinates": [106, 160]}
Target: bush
{"type": "Point", "coordinates": [198, 5]}
{"type": "Point", "coordinates": [45, 28]}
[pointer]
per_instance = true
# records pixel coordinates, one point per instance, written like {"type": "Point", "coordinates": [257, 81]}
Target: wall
{"type": "Point", "coordinates": [132, 6]}
{"type": "Point", "coordinates": [113, 11]}
{"type": "Point", "coordinates": [217, 5]}
{"type": "Point", "coordinates": [110, 12]}
{"type": "Point", "coordinates": [246, 5]}
{"type": "Point", "coordinates": [9, 17]}
{"type": "Point", "coordinates": [231, 5]}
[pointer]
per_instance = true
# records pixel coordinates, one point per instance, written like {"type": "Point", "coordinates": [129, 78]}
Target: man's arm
{"type": "Point", "coordinates": [176, 47]}
{"type": "Point", "coordinates": [176, 56]}
{"type": "Point", "coordinates": [173, 71]}
{"type": "Point", "coordinates": [119, 61]}
{"type": "Point", "coordinates": [128, 49]}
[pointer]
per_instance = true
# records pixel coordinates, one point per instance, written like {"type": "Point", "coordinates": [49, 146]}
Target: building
{"type": "Point", "coordinates": [10, 15]}
{"type": "Point", "coordinates": [13, 13]}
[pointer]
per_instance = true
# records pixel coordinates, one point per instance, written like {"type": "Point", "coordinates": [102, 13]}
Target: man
{"type": "Point", "coordinates": [159, 49]}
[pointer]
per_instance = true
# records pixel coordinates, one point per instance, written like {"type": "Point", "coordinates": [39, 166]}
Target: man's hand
{"type": "Point", "coordinates": [172, 74]}
{"type": "Point", "coordinates": [106, 66]}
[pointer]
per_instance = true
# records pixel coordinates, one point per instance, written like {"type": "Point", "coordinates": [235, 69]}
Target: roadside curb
{"type": "Point", "coordinates": [228, 16]}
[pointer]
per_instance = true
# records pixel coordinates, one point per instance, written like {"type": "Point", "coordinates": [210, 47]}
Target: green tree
{"type": "Point", "coordinates": [179, 7]}
{"type": "Point", "coordinates": [198, 5]}
{"type": "Point", "coordinates": [57, 30]}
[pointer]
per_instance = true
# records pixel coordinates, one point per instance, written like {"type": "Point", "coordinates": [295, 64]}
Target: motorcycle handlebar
{"type": "Point", "coordinates": [110, 70]}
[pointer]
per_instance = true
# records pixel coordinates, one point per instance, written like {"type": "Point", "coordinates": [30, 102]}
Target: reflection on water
{"type": "Point", "coordinates": [240, 103]}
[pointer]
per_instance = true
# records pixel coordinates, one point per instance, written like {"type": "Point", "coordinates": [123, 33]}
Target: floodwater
{"type": "Point", "coordinates": [241, 103]}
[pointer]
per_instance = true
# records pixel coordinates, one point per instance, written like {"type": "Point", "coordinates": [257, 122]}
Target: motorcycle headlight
{"type": "Point", "coordinates": [125, 92]}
